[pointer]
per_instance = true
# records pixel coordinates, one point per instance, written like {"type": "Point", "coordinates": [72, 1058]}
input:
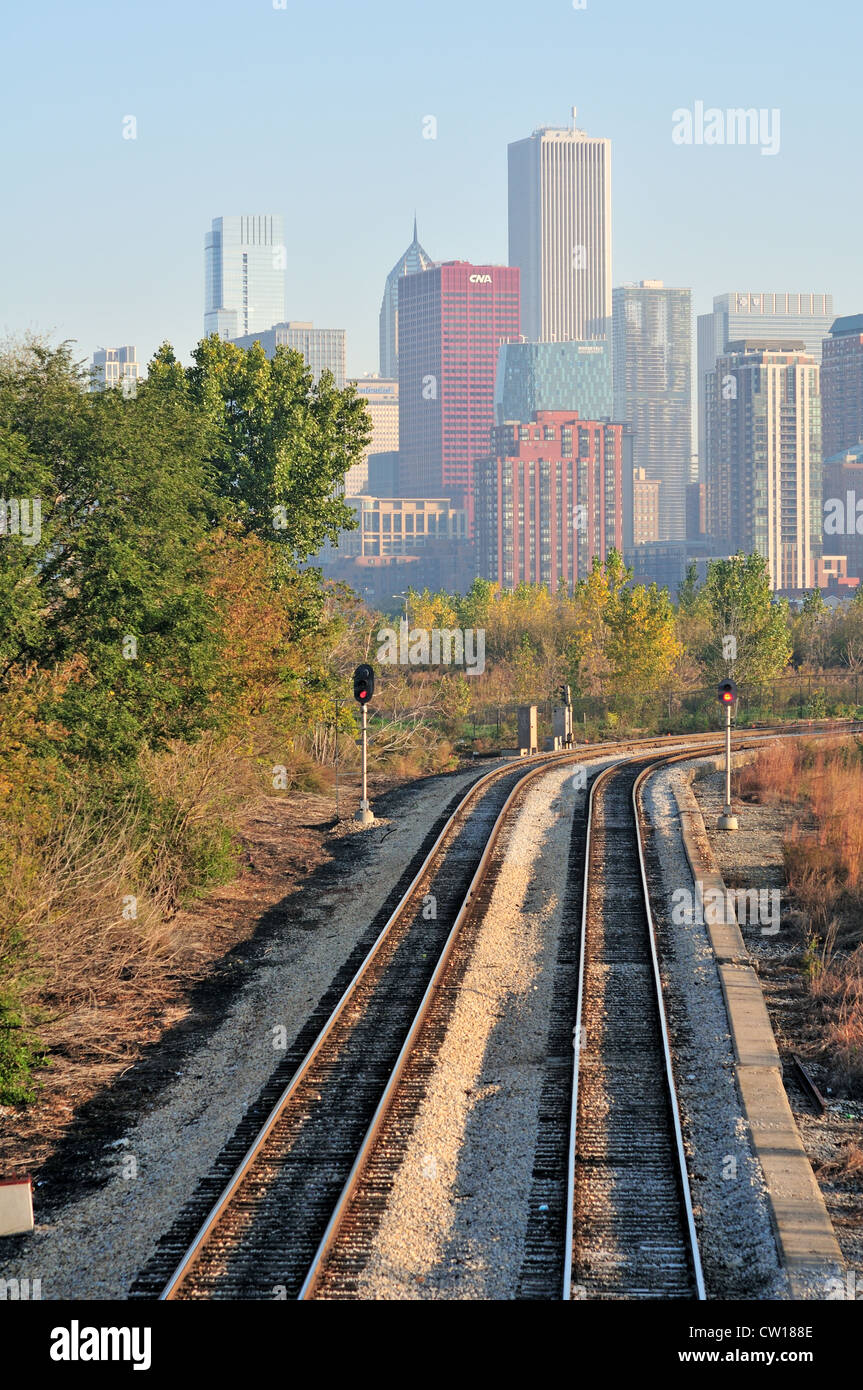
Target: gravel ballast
{"type": "Point", "coordinates": [94, 1247]}
{"type": "Point", "coordinates": [456, 1219]}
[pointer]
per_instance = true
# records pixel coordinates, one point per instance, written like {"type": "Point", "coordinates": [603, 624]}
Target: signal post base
{"type": "Point", "coordinates": [364, 815]}
{"type": "Point", "coordinates": [727, 821]}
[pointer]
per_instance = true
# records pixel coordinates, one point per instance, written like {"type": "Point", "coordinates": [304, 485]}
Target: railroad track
{"type": "Point", "coordinates": [310, 1183]}
{"type": "Point", "coordinates": [263, 1233]}
{"type": "Point", "coordinates": [630, 1230]}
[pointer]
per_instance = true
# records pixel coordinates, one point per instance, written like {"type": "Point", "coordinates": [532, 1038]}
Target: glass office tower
{"type": "Point", "coordinates": [573, 376]}
{"type": "Point", "coordinates": [244, 289]}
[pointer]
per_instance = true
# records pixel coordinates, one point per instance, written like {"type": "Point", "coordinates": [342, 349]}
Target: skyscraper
{"type": "Point", "coordinates": [452, 321]}
{"type": "Point", "coordinates": [323, 348]}
{"type": "Point", "coordinates": [244, 289]}
{"type": "Point", "coordinates": [382, 402]}
{"type": "Point", "coordinates": [743, 314]}
{"type": "Point", "coordinates": [560, 233]}
{"type": "Point", "coordinates": [764, 457]}
{"type": "Point", "coordinates": [569, 376]}
{"type": "Point", "coordinates": [652, 356]}
{"type": "Point", "coordinates": [116, 367]}
{"type": "Point", "coordinates": [549, 498]}
{"type": "Point", "coordinates": [842, 386]}
{"type": "Point", "coordinates": [414, 260]}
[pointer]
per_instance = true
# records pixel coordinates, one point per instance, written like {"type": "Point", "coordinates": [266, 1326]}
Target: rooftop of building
{"type": "Point", "coordinates": [368, 498]}
{"type": "Point", "coordinates": [853, 456]}
{"type": "Point", "coordinates": [415, 256]}
{"type": "Point", "coordinates": [850, 324]}
{"type": "Point", "coordinates": [744, 345]}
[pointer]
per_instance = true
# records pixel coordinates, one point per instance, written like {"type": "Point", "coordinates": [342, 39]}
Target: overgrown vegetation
{"type": "Point", "coordinates": [160, 653]}
{"type": "Point", "coordinates": [823, 788]}
{"type": "Point", "coordinates": [167, 654]}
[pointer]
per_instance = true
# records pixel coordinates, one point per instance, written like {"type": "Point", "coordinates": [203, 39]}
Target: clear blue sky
{"type": "Point", "coordinates": [316, 111]}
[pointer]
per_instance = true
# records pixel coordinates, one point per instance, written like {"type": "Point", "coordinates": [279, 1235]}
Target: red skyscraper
{"type": "Point", "coordinates": [550, 498]}
{"type": "Point", "coordinates": [452, 320]}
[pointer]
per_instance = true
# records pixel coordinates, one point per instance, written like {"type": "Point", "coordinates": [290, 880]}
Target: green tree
{"type": "Point", "coordinates": [737, 600]}
{"type": "Point", "coordinates": [117, 583]}
{"type": "Point", "coordinates": [278, 443]}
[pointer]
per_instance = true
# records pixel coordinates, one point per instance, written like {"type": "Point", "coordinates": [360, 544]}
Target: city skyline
{"type": "Point", "coordinates": [140, 280]}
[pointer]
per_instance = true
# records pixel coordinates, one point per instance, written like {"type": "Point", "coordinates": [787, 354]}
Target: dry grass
{"type": "Point", "coordinates": [769, 777]}
{"type": "Point", "coordinates": [823, 786]}
{"type": "Point", "coordinates": [94, 894]}
{"type": "Point", "coordinates": [848, 1163]}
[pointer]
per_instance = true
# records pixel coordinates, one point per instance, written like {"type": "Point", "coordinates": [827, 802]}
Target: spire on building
{"type": "Point", "coordinates": [411, 262]}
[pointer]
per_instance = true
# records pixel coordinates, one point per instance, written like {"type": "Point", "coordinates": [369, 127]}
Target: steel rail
{"type": "Point", "coordinates": [682, 1169]}
{"type": "Point", "coordinates": [683, 1176]}
{"type": "Point", "coordinates": [211, 1220]}
{"type": "Point", "coordinates": [331, 1232]}
{"type": "Point", "coordinates": [539, 764]}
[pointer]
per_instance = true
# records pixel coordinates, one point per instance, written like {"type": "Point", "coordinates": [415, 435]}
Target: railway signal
{"type": "Point", "coordinates": [728, 698]}
{"type": "Point", "coordinates": [364, 689]}
{"type": "Point", "coordinates": [364, 683]}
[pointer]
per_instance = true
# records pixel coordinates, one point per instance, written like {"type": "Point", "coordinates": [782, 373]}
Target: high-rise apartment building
{"type": "Point", "coordinates": [116, 367]}
{"type": "Point", "coordinates": [696, 511]}
{"type": "Point", "coordinates": [382, 402]}
{"type": "Point", "coordinates": [842, 386]}
{"type": "Point", "coordinates": [452, 321]}
{"type": "Point", "coordinates": [571, 376]}
{"type": "Point", "coordinates": [323, 348]}
{"type": "Point", "coordinates": [244, 288]}
{"type": "Point", "coordinates": [652, 356]}
{"type": "Point", "coordinates": [411, 262]}
{"type": "Point", "coordinates": [784, 317]}
{"type": "Point", "coordinates": [549, 498]}
{"type": "Point", "coordinates": [560, 233]}
{"type": "Point", "coordinates": [764, 457]}
{"type": "Point", "coordinates": [645, 508]}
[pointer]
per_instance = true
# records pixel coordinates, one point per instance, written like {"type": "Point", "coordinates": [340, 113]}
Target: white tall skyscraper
{"type": "Point", "coordinates": [245, 261]}
{"type": "Point", "coordinates": [560, 233]}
